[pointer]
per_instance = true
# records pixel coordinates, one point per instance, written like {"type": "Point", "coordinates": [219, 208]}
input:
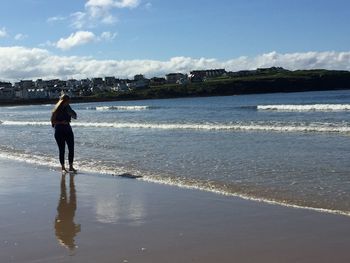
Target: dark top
{"type": "Point", "coordinates": [64, 114]}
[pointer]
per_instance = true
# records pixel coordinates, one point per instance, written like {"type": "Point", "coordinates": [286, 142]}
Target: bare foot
{"type": "Point", "coordinates": [72, 170]}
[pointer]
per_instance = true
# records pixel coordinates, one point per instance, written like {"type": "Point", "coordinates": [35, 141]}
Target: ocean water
{"type": "Point", "coordinates": [292, 149]}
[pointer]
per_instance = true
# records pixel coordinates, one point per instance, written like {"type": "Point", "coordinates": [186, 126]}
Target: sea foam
{"type": "Point", "coordinates": [259, 126]}
{"type": "Point", "coordinates": [122, 108]}
{"type": "Point", "coordinates": [310, 107]}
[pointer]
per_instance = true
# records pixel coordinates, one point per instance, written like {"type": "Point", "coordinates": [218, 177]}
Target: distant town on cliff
{"type": "Point", "coordinates": [209, 82]}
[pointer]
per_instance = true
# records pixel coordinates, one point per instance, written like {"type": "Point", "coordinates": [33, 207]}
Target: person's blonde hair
{"type": "Point", "coordinates": [62, 99]}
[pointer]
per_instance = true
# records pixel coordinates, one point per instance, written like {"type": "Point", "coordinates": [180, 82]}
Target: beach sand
{"type": "Point", "coordinates": [94, 218]}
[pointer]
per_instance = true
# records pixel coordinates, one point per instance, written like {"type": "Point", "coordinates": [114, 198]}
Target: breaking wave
{"type": "Point", "coordinates": [122, 108]}
{"type": "Point", "coordinates": [258, 126]}
{"type": "Point", "coordinates": [311, 107]}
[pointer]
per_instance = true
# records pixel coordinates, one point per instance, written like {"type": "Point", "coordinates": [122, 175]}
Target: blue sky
{"type": "Point", "coordinates": [154, 36]}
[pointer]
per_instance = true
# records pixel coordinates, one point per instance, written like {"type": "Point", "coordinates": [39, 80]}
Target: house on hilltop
{"type": "Point", "coordinates": [173, 78]}
{"type": "Point", "coordinates": [23, 88]}
{"type": "Point", "coordinates": [139, 82]}
{"type": "Point", "coordinates": [97, 84]}
{"type": "Point", "coordinates": [111, 82]}
{"type": "Point", "coordinates": [200, 75]}
{"type": "Point", "coordinates": [270, 70]}
{"type": "Point", "coordinates": [6, 91]}
{"type": "Point", "coordinates": [157, 81]}
{"type": "Point", "coordinates": [242, 73]}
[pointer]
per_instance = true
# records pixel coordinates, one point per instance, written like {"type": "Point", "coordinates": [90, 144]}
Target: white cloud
{"type": "Point", "coordinates": [293, 61]}
{"type": "Point", "coordinates": [100, 11]}
{"type": "Point", "coordinates": [76, 39]}
{"type": "Point", "coordinates": [113, 3]}
{"type": "Point", "coordinates": [24, 63]}
{"type": "Point", "coordinates": [108, 36]}
{"type": "Point", "coordinates": [127, 3]}
{"type": "Point", "coordinates": [80, 38]}
{"type": "Point", "coordinates": [20, 37]}
{"type": "Point", "coordinates": [56, 19]}
{"type": "Point", "coordinates": [99, 3]}
{"type": "Point", "coordinates": [47, 44]}
{"type": "Point", "coordinates": [79, 20]}
{"type": "Point", "coordinates": [3, 32]}
{"type": "Point", "coordinates": [92, 17]}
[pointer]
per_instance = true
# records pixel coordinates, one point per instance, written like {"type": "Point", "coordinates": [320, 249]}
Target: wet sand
{"type": "Point", "coordinates": [94, 218]}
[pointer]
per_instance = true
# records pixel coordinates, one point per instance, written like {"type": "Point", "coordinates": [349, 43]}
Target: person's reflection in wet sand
{"type": "Point", "coordinates": [65, 228]}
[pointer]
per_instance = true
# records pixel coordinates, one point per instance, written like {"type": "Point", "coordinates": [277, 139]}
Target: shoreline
{"type": "Point", "coordinates": [126, 220]}
{"type": "Point", "coordinates": [185, 186]}
{"type": "Point", "coordinates": [251, 198]}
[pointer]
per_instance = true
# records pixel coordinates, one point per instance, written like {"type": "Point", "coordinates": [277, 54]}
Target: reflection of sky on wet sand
{"type": "Point", "coordinates": [112, 207]}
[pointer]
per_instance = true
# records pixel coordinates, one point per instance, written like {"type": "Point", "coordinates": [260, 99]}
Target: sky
{"type": "Point", "coordinates": [96, 38]}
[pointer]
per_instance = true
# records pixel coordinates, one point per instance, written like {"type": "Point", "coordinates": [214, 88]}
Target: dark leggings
{"type": "Point", "coordinates": [63, 135]}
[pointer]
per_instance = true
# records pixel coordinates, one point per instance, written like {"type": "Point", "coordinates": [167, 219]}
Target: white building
{"type": "Point", "coordinates": [122, 86]}
{"type": "Point", "coordinates": [37, 93]}
{"type": "Point", "coordinates": [22, 89]}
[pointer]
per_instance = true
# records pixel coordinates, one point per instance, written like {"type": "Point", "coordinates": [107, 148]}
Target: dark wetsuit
{"type": "Point", "coordinates": [64, 133]}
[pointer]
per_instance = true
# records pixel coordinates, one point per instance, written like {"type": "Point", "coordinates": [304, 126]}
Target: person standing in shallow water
{"type": "Point", "coordinates": [61, 117]}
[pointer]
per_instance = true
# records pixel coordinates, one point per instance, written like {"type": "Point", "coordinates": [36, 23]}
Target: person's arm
{"type": "Point", "coordinates": [53, 119]}
{"type": "Point", "coordinates": [71, 112]}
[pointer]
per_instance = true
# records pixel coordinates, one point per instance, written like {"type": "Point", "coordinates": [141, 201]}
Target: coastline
{"type": "Point", "coordinates": [263, 83]}
{"type": "Point", "coordinates": [9, 103]}
{"type": "Point", "coordinates": [113, 219]}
